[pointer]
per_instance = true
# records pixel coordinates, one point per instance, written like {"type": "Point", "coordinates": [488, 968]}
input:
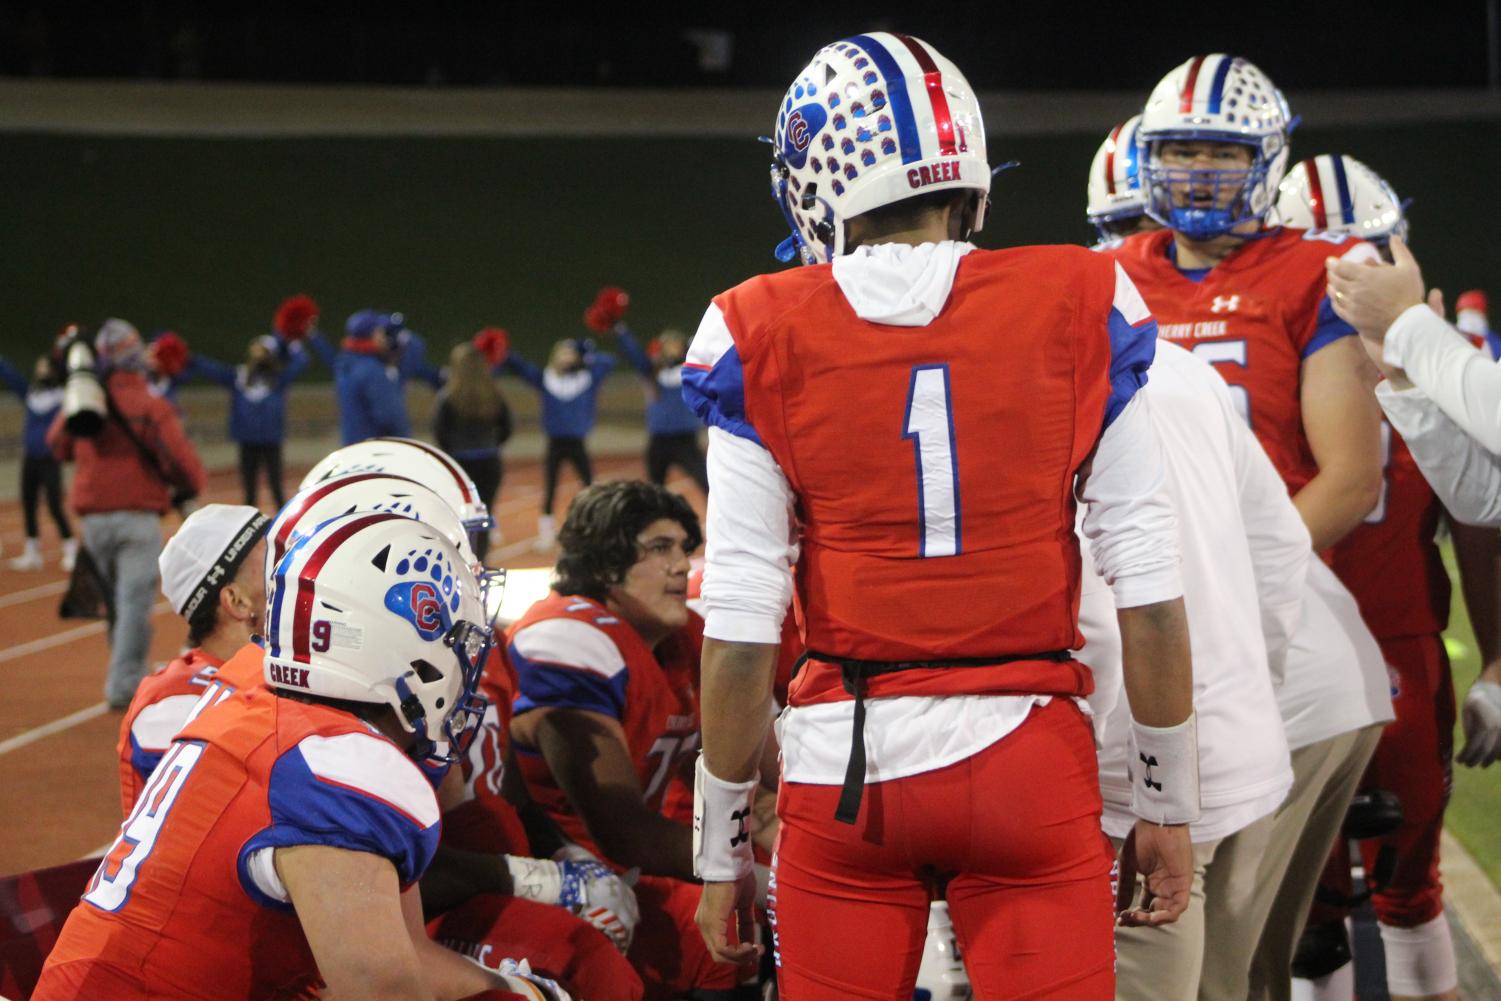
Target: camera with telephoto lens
{"type": "Point", "coordinates": [84, 406]}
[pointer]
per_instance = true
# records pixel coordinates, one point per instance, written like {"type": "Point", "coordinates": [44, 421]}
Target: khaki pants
{"type": "Point", "coordinates": [1325, 776]}
{"type": "Point", "coordinates": [1171, 962]}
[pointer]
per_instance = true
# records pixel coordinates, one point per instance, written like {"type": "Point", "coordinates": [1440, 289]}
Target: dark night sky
{"type": "Point", "coordinates": [1032, 45]}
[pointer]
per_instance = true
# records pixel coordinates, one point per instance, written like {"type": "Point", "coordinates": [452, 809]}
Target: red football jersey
{"type": "Point", "coordinates": [1390, 562]}
{"type": "Point", "coordinates": [176, 908]}
{"type": "Point", "coordinates": [1256, 315]}
{"type": "Point", "coordinates": [927, 459]}
{"type": "Point", "coordinates": [570, 652]}
{"type": "Point", "coordinates": [171, 698]}
{"type": "Point", "coordinates": [163, 702]}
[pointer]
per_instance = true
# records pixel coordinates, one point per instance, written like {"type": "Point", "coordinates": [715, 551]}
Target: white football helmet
{"type": "Point", "coordinates": [382, 609]}
{"type": "Point", "coordinates": [1216, 98]}
{"type": "Point", "coordinates": [363, 493]}
{"type": "Point", "coordinates": [1340, 194]}
{"type": "Point", "coordinates": [1115, 195]}
{"type": "Point", "coordinates": [941, 974]}
{"type": "Point", "coordinates": [872, 120]}
{"type": "Point", "coordinates": [416, 460]}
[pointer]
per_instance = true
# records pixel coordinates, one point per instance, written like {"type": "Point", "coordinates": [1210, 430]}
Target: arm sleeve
{"type": "Point", "coordinates": [713, 379]}
{"type": "Point", "coordinates": [414, 363]}
{"type": "Point", "coordinates": [180, 451]}
{"type": "Point", "coordinates": [353, 791]}
{"type": "Point", "coordinates": [750, 546]}
{"type": "Point", "coordinates": [601, 365]}
{"type": "Point", "coordinates": [634, 354]}
{"type": "Point", "coordinates": [566, 663]}
{"type": "Point", "coordinates": [1130, 522]}
{"type": "Point", "coordinates": [1133, 344]}
{"type": "Point", "coordinates": [297, 362]}
{"type": "Point", "coordinates": [1279, 541]}
{"type": "Point", "coordinates": [213, 371]}
{"type": "Point", "coordinates": [12, 377]}
{"type": "Point", "coordinates": [320, 347]}
{"type": "Point", "coordinates": [522, 369]}
{"type": "Point", "coordinates": [1465, 475]}
{"type": "Point", "coordinates": [1461, 381]}
{"type": "Point", "coordinates": [59, 440]}
{"type": "Point", "coordinates": [384, 401]}
{"type": "Point", "coordinates": [1327, 327]}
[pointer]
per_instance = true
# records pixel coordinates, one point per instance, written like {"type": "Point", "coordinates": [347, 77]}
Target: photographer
{"type": "Point", "coordinates": [128, 474]}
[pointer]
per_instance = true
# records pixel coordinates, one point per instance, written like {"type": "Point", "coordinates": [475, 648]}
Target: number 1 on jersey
{"type": "Point", "coordinates": [929, 425]}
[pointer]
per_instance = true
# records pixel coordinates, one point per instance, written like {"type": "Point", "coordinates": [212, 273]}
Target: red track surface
{"type": "Point", "coordinates": [60, 791]}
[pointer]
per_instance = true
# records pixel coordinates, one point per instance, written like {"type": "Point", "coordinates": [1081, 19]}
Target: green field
{"type": "Point", "coordinates": [1475, 809]}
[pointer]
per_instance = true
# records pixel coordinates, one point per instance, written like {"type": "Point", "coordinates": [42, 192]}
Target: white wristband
{"type": "Point", "coordinates": [1163, 764]}
{"type": "Point", "coordinates": [721, 826]}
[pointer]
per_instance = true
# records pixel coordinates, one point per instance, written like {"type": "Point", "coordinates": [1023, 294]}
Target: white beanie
{"type": "Point", "coordinates": [206, 553]}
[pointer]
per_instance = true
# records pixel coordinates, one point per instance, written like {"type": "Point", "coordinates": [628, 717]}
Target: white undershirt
{"type": "Point", "coordinates": [1451, 417]}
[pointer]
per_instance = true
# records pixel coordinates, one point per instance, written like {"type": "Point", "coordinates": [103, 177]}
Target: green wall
{"type": "Point", "coordinates": [207, 235]}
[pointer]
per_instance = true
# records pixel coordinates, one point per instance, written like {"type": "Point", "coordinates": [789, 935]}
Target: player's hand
{"type": "Point", "coordinates": [519, 978]}
{"type": "Point", "coordinates": [1163, 856]}
{"type": "Point", "coordinates": [1481, 716]}
{"type": "Point", "coordinates": [727, 910]}
{"type": "Point", "coordinates": [1370, 298]}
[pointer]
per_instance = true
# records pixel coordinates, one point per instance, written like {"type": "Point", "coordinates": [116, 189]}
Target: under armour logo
{"type": "Point", "coordinates": [1147, 778]}
{"type": "Point", "coordinates": [741, 817]}
{"type": "Point", "coordinates": [1225, 304]}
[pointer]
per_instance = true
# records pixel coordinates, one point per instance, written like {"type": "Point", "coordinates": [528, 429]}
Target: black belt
{"type": "Point", "coordinates": [855, 672]}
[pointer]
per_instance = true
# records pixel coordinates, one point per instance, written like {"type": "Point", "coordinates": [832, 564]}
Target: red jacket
{"type": "Point", "coordinates": [112, 475]}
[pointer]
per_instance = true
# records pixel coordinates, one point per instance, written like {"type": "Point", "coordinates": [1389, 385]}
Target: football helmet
{"type": "Point", "coordinates": [1214, 98]}
{"type": "Point", "coordinates": [1115, 196]}
{"type": "Point", "coordinates": [367, 492]}
{"type": "Point", "coordinates": [375, 607]}
{"type": "Point", "coordinates": [872, 120]}
{"type": "Point", "coordinates": [1339, 193]}
{"type": "Point", "coordinates": [416, 460]}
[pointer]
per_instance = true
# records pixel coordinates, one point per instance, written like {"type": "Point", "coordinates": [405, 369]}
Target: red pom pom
{"type": "Point", "coordinates": [608, 308]}
{"type": "Point", "coordinates": [169, 354]}
{"type": "Point", "coordinates": [494, 343]}
{"type": "Point", "coordinates": [296, 317]}
{"type": "Point", "coordinates": [1473, 299]}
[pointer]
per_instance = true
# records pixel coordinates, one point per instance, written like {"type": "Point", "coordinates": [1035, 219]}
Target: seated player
{"type": "Point", "coordinates": [484, 862]}
{"type": "Point", "coordinates": [606, 715]}
{"type": "Point", "coordinates": [212, 573]}
{"type": "Point", "coordinates": [274, 849]}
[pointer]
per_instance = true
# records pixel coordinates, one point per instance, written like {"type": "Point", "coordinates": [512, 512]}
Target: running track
{"type": "Point", "coordinates": [59, 774]}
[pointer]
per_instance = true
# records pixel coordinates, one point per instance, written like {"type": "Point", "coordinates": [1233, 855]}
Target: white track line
{"type": "Point", "coordinates": [69, 721]}
{"type": "Point", "coordinates": [66, 636]}
{"type": "Point", "coordinates": [32, 593]}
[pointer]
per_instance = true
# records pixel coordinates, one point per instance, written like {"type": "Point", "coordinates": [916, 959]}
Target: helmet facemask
{"type": "Point", "coordinates": [1205, 202]}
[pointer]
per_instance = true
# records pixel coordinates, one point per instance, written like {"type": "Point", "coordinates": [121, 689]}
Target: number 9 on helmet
{"type": "Point", "coordinates": [378, 608]}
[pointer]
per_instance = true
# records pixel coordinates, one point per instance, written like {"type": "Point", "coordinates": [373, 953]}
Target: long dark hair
{"type": "Point", "coordinates": [598, 538]}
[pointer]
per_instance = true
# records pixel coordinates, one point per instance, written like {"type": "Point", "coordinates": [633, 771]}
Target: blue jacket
{"type": "Point", "coordinates": [666, 411]}
{"type": "Point", "coordinates": [258, 407]}
{"type": "Point", "coordinates": [42, 404]}
{"type": "Point", "coordinates": [568, 398]}
{"type": "Point", "coordinates": [372, 399]}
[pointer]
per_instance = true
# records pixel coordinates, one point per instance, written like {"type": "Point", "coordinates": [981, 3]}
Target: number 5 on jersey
{"type": "Point", "coordinates": [929, 425]}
